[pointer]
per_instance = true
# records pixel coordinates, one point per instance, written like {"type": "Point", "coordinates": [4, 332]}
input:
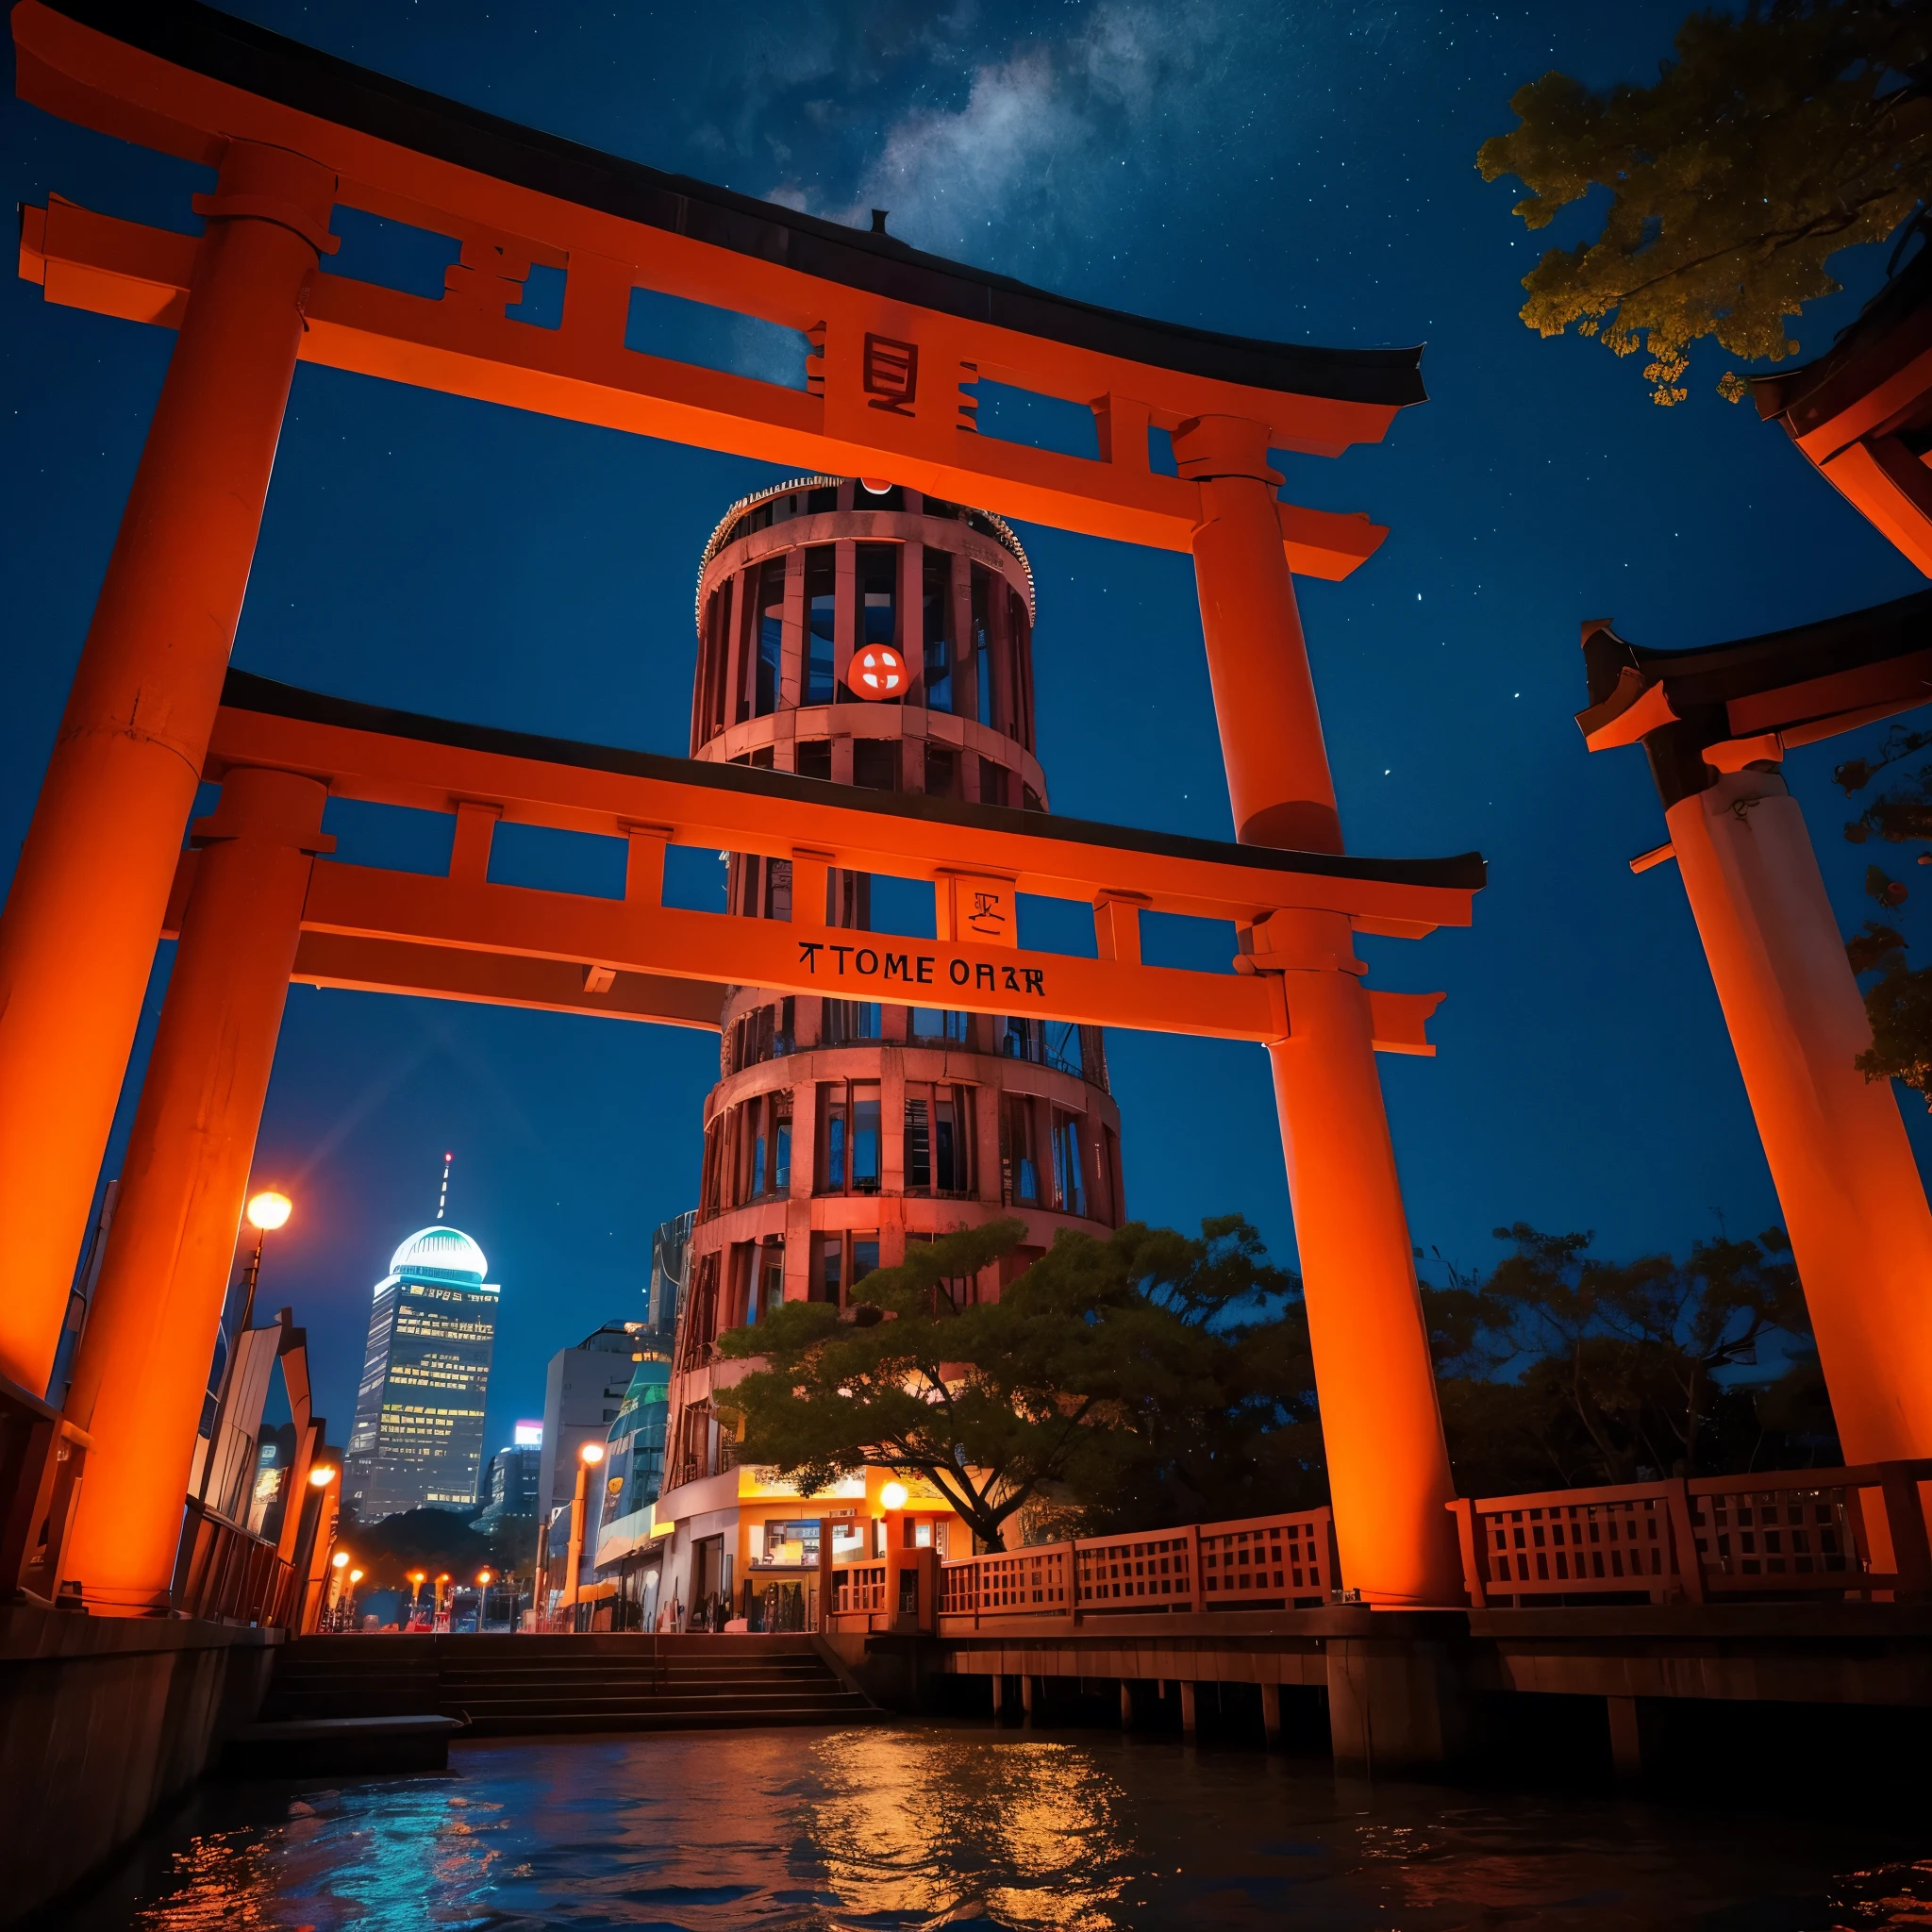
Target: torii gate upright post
{"type": "Point", "coordinates": [1715, 725]}
{"type": "Point", "coordinates": [78, 934]}
{"type": "Point", "coordinates": [1381, 1420]}
{"type": "Point", "coordinates": [140, 1377]}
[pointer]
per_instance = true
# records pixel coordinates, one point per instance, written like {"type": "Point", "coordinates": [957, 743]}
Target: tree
{"type": "Point", "coordinates": [428, 1540]}
{"type": "Point", "coordinates": [1899, 1000]}
{"type": "Point", "coordinates": [1619, 1367]}
{"type": "Point", "coordinates": [1775, 138]}
{"type": "Point", "coordinates": [1115, 1375]}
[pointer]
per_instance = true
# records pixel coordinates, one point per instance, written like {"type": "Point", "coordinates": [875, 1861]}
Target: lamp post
{"type": "Point", "coordinates": [482, 1601]}
{"type": "Point", "coordinates": [417, 1578]}
{"type": "Point", "coordinates": [588, 1457]}
{"type": "Point", "coordinates": [266, 1212]}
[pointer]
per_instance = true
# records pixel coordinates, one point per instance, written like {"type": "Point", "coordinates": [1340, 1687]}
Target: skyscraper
{"type": "Point", "coordinates": [417, 1437]}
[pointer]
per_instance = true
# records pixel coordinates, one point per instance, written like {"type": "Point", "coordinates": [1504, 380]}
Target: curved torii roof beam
{"type": "Point", "coordinates": [899, 337]}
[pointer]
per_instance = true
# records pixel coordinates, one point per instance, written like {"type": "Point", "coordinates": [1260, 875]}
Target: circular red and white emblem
{"type": "Point", "coordinates": [876, 671]}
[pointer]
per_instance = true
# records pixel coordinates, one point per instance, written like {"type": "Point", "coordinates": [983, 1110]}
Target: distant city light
{"type": "Point", "coordinates": [529, 1435]}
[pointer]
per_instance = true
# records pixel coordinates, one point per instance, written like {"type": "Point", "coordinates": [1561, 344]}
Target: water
{"type": "Point", "coordinates": [922, 1825]}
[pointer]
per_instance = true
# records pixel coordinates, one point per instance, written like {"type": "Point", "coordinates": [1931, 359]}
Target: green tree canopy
{"type": "Point", "coordinates": [1563, 1367]}
{"type": "Point", "coordinates": [1128, 1377]}
{"type": "Point", "coordinates": [430, 1540]}
{"type": "Point", "coordinates": [1775, 138]}
{"type": "Point", "coordinates": [1898, 996]}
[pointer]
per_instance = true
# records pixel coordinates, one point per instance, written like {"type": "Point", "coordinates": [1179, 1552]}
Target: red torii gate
{"type": "Point", "coordinates": [898, 340]}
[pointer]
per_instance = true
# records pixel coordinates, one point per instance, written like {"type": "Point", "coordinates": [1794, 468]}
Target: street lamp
{"type": "Point", "coordinates": [894, 1497]}
{"type": "Point", "coordinates": [340, 1559]}
{"type": "Point", "coordinates": [266, 1212]}
{"type": "Point", "coordinates": [588, 1457]}
{"type": "Point", "coordinates": [322, 1476]}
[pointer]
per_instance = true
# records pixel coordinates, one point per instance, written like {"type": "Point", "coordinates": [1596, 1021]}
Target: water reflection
{"type": "Point", "coordinates": [913, 1827]}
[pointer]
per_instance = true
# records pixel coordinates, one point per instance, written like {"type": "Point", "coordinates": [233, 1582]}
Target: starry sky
{"type": "Point", "coordinates": [1301, 172]}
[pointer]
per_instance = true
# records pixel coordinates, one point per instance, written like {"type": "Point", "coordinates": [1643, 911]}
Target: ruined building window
{"type": "Point", "coordinates": [765, 1033]}
{"type": "Point", "coordinates": [938, 1132]}
{"type": "Point", "coordinates": [771, 627]}
{"type": "Point", "coordinates": [918, 1145]}
{"type": "Point", "coordinates": [1069, 1193]}
{"type": "Point", "coordinates": [929, 1022]}
{"type": "Point", "coordinates": [815, 757]}
{"type": "Point", "coordinates": [846, 1020]}
{"type": "Point", "coordinates": [1017, 701]}
{"type": "Point", "coordinates": [852, 1137]}
{"type": "Point", "coordinates": [821, 605]}
{"type": "Point", "coordinates": [982, 654]}
{"type": "Point", "coordinates": [875, 764]}
{"type": "Point", "coordinates": [941, 771]}
{"type": "Point", "coordinates": [992, 783]}
{"type": "Point", "coordinates": [939, 630]}
{"type": "Point", "coordinates": [1021, 1169]}
{"type": "Point", "coordinates": [767, 1277]}
{"type": "Point", "coordinates": [876, 588]}
{"type": "Point", "coordinates": [843, 1261]}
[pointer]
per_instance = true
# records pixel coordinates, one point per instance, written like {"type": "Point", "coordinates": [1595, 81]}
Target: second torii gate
{"type": "Point", "coordinates": [898, 340]}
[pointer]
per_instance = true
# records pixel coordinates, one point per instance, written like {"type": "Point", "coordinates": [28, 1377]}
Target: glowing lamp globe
{"type": "Point", "coordinates": [483, 1578]}
{"type": "Point", "coordinates": [268, 1211]}
{"type": "Point", "coordinates": [894, 1496]}
{"type": "Point", "coordinates": [355, 1576]}
{"type": "Point", "coordinates": [322, 1476]}
{"type": "Point", "coordinates": [875, 672]}
{"type": "Point", "coordinates": [592, 1452]}
{"type": "Point", "coordinates": [340, 1559]}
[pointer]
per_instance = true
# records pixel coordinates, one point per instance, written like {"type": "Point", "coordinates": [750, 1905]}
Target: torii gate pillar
{"type": "Point", "coordinates": [78, 938]}
{"type": "Point", "coordinates": [140, 1378]}
{"type": "Point", "coordinates": [1853, 1203]}
{"type": "Point", "coordinates": [1381, 1421]}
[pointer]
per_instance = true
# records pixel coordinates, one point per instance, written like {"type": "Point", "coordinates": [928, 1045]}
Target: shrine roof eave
{"type": "Point", "coordinates": [1875, 373]}
{"type": "Point", "coordinates": [1799, 685]}
{"type": "Point", "coordinates": [245, 692]}
{"type": "Point", "coordinates": [237, 53]}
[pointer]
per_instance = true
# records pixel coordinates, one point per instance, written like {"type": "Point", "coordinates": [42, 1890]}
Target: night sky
{"type": "Point", "coordinates": [1299, 173]}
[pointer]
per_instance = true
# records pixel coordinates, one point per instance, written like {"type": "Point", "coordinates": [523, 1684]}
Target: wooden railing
{"type": "Point", "coordinates": [1262, 1562]}
{"type": "Point", "coordinates": [1832, 1532]}
{"type": "Point", "coordinates": [223, 1574]}
{"type": "Point", "coordinates": [42, 1456]}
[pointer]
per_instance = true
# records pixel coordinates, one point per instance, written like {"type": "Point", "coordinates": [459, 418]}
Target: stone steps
{"type": "Point", "coordinates": [534, 1685]}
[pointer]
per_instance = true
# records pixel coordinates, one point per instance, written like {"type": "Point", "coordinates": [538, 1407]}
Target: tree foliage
{"type": "Point", "coordinates": [1147, 1377]}
{"type": "Point", "coordinates": [1898, 1001]}
{"type": "Point", "coordinates": [428, 1540]}
{"type": "Point", "coordinates": [1775, 138]}
{"type": "Point", "coordinates": [1564, 1368]}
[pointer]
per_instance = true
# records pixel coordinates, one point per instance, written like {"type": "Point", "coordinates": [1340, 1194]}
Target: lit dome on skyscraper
{"type": "Point", "coordinates": [441, 1253]}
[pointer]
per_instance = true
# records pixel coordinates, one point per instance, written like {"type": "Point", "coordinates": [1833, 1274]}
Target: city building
{"type": "Point", "coordinates": [670, 1249]}
{"type": "Point", "coordinates": [418, 1439]}
{"type": "Point", "coordinates": [840, 1129]}
{"type": "Point", "coordinates": [583, 1391]}
{"type": "Point", "coordinates": [511, 1481]}
{"type": "Point", "coordinates": [625, 1548]}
